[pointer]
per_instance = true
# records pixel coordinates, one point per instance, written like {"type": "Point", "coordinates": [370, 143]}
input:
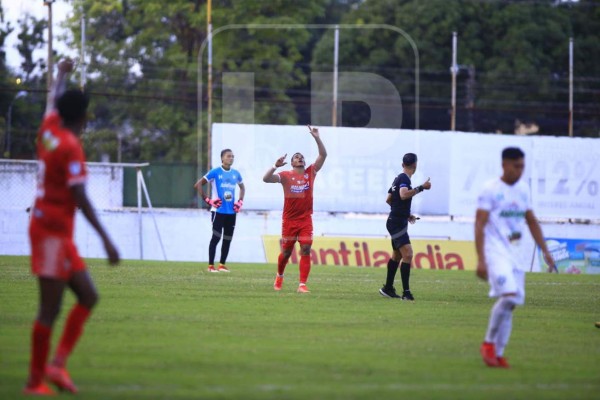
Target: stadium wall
{"type": "Point", "coordinates": [563, 172]}
{"type": "Point", "coordinates": [185, 234]}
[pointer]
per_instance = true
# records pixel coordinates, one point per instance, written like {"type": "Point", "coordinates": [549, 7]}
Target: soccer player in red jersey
{"type": "Point", "coordinates": [55, 261]}
{"type": "Point", "coordinates": [297, 225]}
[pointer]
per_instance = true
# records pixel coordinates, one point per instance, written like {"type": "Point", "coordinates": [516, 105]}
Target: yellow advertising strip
{"type": "Point", "coordinates": [370, 252]}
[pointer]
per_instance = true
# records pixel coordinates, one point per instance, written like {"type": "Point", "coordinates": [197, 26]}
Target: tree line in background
{"type": "Point", "coordinates": [142, 67]}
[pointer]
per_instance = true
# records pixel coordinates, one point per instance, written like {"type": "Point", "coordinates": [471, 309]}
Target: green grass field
{"type": "Point", "coordinates": [173, 331]}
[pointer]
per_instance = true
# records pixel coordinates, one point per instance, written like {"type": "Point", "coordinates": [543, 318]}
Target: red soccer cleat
{"type": "Point", "coordinates": [223, 268]}
{"type": "Point", "coordinates": [488, 352]}
{"type": "Point", "coordinates": [212, 269]}
{"type": "Point", "coordinates": [502, 362]}
{"type": "Point", "coordinates": [302, 288]}
{"type": "Point", "coordinates": [278, 283]}
{"type": "Point", "coordinates": [60, 377]}
{"type": "Point", "coordinates": [40, 390]}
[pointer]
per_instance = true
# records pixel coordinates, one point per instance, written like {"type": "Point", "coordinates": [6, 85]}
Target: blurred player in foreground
{"type": "Point", "coordinates": [298, 184]}
{"type": "Point", "coordinates": [400, 198]}
{"type": "Point", "coordinates": [55, 261]}
{"type": "Point", "coordinates": [223, 206]}
{"type": "Point", "coordinates": [503, 208]}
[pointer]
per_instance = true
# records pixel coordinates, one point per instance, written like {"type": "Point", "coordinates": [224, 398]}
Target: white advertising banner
{"type": "Point", "coordinates": [474, 160]}
{"type": "Point", "coordinates": [566, 177]}
{"type": "Point", "coordinates": [563, 173]}
{"type": "Point", "coordinates": [360, 167]}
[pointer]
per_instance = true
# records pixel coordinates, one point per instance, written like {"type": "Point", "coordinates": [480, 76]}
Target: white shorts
{"type": "Point", "coordinates": [504, 279]}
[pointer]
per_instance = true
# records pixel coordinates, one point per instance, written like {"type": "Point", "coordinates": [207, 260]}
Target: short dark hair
{"type": "Point", "coordinates": [72, 105]}
{"type": "Point", "coordinates": [225, 151]}
{"type": "Point", "coordinates": [409, 159]}
{"type": "Point", "coordinates": [512, 153]}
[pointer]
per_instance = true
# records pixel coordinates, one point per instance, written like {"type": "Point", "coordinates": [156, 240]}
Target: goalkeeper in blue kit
{"type": "Point", "coordinates": [223, 206]}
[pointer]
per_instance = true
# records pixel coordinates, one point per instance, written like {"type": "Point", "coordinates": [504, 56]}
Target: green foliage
{"type": "Point", "coordinates": [172, 330]}
{"type": "Point", "coordinates": [142, 65]}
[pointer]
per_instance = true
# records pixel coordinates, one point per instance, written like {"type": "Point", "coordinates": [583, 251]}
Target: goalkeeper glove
{"type": "Point", "coordinates": [238, 205]}
{"type": "Point", "coordinates": [216, 203]}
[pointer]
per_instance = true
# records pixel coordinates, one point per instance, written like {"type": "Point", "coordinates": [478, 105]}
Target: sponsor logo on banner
{"type": "Point", "coordinates": [370, 252]}
{"type": "Point", "coordinates": [573, 256]}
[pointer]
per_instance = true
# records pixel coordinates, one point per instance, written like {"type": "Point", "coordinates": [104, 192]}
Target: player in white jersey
{"type": "Point", "coordinates": [503, 209]}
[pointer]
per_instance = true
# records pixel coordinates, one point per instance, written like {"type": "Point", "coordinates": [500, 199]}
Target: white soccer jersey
{"type": "Point", "coordinates": [507, 205]}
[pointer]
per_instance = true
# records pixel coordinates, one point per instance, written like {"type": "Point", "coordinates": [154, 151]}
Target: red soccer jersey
{"type": "Point", "coordinates": [298, 192]}
{"type": "Point", "coordinates": [61, 164]}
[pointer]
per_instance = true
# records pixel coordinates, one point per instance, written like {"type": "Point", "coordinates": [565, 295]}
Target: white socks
{"type": "Point", "coordinates": [500, 324]}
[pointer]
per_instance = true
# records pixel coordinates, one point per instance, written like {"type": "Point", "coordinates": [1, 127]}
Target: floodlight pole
{"type": "Point", "coordinates": [570, 87]}
{"type": "Point", "coordinates": [209, 88]}
{"type": "Point", "coordinates": [336, 52]}
{"type": "Point", "coordinates": [454, 72]}
{"type": "Point", "coordinates": [49, 61]}
{"type": "Point", "coordinates": [82, 64]}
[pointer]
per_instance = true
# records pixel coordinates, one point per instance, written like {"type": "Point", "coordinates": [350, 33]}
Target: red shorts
{"type": "Point", "coordinates": [54, 257]}
{"type": "Point", "coordinates": [296, 230]}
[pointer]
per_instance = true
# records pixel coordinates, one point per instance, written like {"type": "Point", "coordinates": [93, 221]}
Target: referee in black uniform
{"type": "Point", "coordinates": [399, 198]}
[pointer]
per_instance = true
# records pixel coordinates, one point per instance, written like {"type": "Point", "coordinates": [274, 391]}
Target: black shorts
{"type": "Point", "coordinates": [223, 223]}
{"type": "Point", "coordinates": [398, 229]}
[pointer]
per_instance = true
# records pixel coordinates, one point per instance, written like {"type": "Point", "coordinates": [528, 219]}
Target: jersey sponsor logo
{"type": "Point", "coordinates": [512, 214]}
{"type": "Point", "coordinates": [299, 188]}
{"type": "Point", "coordinates": [501, 280]}
{"type": "Point", "coordinates": [49, 141]}
{"type": "Point", "coordinates": [75, 168]}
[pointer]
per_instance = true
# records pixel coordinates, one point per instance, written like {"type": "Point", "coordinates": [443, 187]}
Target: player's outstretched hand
{"type": "Point", "coordinates": [112, 252]}
{"type": "Point", "coordinates": [65, 65]}
{"type": "Point", "coordinates": [313, 131]}
{"type": "Point", "coordinates": [281, 161]}
{"type": "Point", "coordinates": [427, 184]}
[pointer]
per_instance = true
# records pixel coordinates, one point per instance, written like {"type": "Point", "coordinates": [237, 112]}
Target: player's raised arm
{"type": "Point", "coordinates": [322, 151]}
{"type": "Point", "coordinates": [270, 176]}
{"type": "Point", "coordinates": [59, 85]}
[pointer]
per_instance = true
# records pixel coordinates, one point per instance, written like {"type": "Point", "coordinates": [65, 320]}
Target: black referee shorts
{"type": "Point", "coordinates": [398, 229]}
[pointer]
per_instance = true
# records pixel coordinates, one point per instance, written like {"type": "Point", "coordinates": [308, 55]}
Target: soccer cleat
{"type": "Point", "coordinates": [212, 269]}
{"type": "Point", "coordinates": [40, 390]}
{"type": "Point", "coordinates": [278, 283]}
{"type": "Point", "coordinates": [60, 377]}
{"type": "Point", "coordinates": [488, 352]}
{"type": "Point", "coordinates": [502, 362]}
{"type": "Point", "coordinates": [223, 268]}
{"type": "Point", "coordinates": [407, 295]}
{"type": "Point", "coordinates": [302, 288]}
{"type": "Point", "coordinates": [389, 292]}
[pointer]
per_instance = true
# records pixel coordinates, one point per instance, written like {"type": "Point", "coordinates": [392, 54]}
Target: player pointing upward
{"type": "Point", "coordinates": [297, 224]}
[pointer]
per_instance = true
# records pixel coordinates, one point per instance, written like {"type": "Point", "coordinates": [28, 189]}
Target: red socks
{"type": "Point", "coordinates": [40, 346]}
{"type": "Point", "coordinates": [281, 263]}
{"type": "Point", "coordinates": [304, 268]}
{"type": "Point", "coordinates": [73, 330]}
